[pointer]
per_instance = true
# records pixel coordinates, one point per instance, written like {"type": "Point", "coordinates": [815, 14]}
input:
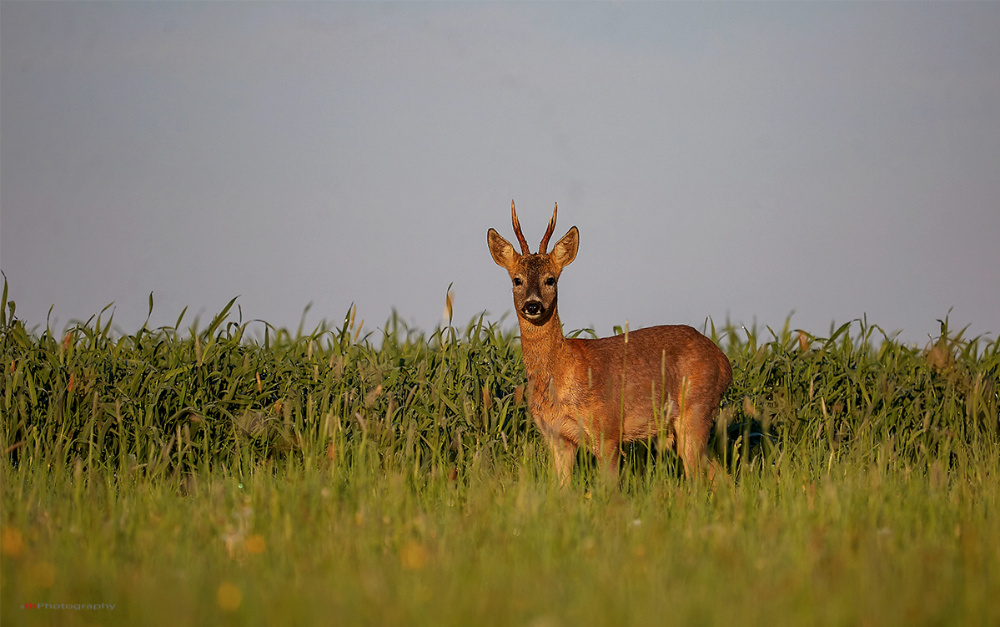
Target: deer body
{"type": "Point", "coordinates": [664, 381]}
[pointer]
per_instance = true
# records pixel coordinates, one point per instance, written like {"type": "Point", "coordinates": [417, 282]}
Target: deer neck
{"type": "Point", "coordinates": [541, 345]}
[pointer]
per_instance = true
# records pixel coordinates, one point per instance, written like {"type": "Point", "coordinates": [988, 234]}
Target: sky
{"type": "Point", "coordinates": [729, 162]}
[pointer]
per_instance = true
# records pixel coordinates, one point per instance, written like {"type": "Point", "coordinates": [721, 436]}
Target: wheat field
{"type": "Point", "coordinates": [245, 474]}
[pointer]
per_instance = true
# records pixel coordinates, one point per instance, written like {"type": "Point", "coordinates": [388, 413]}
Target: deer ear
{"type": "Point", "coordinates": [503, 253]}
{"type": "Point", "coordinates": [564, 252]}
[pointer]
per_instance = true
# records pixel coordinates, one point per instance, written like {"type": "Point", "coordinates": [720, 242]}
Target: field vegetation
{"type": "Point", "coordinates": [243, 474]}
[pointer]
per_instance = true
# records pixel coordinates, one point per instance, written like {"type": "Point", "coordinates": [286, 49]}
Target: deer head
{"type": "Point", "coordinates": [534, 276]}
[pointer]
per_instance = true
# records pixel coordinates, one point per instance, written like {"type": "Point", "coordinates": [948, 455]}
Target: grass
{"type": "Point", "coordinates": [201, 476]}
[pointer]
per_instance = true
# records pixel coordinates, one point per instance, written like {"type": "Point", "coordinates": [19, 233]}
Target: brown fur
{"type": "Point", "coordinates": [664, 381]}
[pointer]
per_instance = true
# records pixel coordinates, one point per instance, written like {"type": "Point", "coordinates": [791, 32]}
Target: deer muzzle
{"type": "Point", "coordinates": [533, 309]}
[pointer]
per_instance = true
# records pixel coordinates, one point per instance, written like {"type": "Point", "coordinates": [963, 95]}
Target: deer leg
{"type": "Point", "coordinates": [563, 457]}
{"type": "Point", "coordinates": [692, 446]}
{"type": "Point", "coordinates": [607, 455]}
{"type": "Point", "coordinates": [693, 430]}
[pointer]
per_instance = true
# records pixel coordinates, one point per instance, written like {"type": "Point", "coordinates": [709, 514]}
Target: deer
{"type": "Point", "coordinates": [663, 382]}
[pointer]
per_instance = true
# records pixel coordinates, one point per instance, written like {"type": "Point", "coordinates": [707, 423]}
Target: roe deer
{"type": "Point", "coordinates": [664, 381]}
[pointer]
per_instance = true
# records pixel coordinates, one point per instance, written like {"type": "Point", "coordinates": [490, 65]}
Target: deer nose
{"type": "Point", "coordinates": [533, 308]}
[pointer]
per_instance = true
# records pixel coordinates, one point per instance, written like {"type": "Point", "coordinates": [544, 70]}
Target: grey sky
{"type": "Point", "coordinates": [723, 160]}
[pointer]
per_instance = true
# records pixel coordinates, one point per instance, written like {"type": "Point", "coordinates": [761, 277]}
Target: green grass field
{"type": "Point", "coordinates": [242, 474]}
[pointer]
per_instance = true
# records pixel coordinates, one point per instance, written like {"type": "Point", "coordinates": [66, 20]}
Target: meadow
{"type": "Point", "coordinates": [238, 473]}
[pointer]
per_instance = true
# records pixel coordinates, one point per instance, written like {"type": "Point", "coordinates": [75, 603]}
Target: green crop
{"type": "Point", "coordinates": [244, 473]}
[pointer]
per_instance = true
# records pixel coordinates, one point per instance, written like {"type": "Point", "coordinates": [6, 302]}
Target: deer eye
{"type": "Point", "coordinates": [517, 281]}
{"type": "Point", "coordinates": [550, 281]}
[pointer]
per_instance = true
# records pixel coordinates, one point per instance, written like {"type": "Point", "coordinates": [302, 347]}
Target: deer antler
{"type": "Point", "coordinates": [517, 231]}
{"type": "Point", "coordinates": [548, 232]}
